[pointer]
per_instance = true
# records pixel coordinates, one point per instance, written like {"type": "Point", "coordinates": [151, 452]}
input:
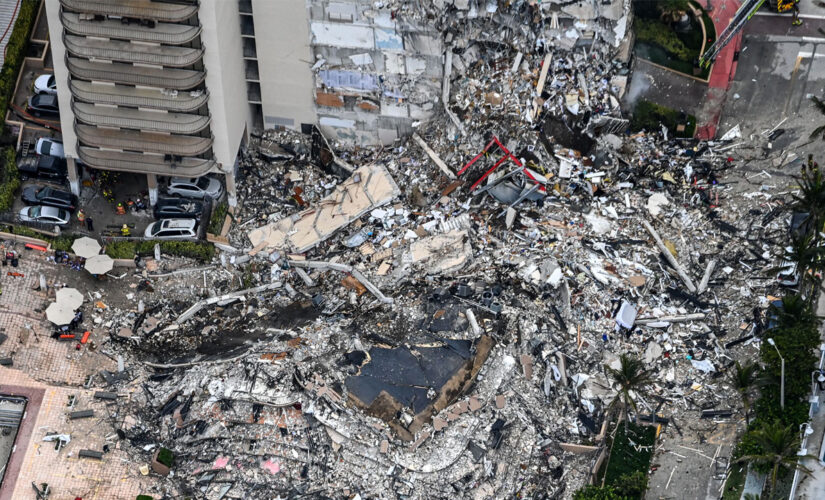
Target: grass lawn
{"type": "Point", "coordinates": [648, 116]}
{"type": "Point", "coordinates": [736, 482]}
{"type": "Point", "coordinates": [624, 456]}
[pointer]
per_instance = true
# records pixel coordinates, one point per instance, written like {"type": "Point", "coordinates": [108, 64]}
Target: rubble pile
{"type": "Point", "coordinates": [432, 320]}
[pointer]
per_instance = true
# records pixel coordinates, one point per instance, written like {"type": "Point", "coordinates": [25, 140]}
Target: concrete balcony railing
{"type": "Point", "coordinates": [138, 97]}
{"type": "Point", "coordinates": [171, 34]}
{"type": "Point", "coordinates": [148, 121]}
{"type": "Point", "coordinates": [138, 9]}
{"type": "Point", "coordinates": [179, 79]}
{"type": "Point", "coordinates": [144, 163]}
{"type": "Point", "coordinates": [146, 142]}
{"type": "Point", "coordinates": [116, 50]}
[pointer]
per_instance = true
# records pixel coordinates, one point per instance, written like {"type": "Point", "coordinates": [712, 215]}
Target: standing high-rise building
{"type": "Point", "coordinates": [174, 87]}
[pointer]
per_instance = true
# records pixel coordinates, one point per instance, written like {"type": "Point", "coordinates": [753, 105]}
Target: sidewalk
{"type": "Point", "coordinates": [724, 68]}
{"type": "Point", "coordinates": [813, 487]}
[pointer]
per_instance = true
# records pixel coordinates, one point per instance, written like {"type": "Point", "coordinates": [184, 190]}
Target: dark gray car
{"type": "Point", "coordinates": [178, 208]}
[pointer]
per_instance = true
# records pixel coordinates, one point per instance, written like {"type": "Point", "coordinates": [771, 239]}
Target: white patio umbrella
{"type": "Point", "coordinates": [100, 264]}
{"type": "Point", "coordinates": [59, 314]}
{"type": "Point", "coordinates": [85, 247]}
{"type": "Point", "coordinates": [69, 297]}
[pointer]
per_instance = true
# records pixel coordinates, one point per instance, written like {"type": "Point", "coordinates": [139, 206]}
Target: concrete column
{"type": "Point", "coordinates": [152, 183]}
{"type": "Point", "coordinates": [74, 179]}
{"type": "Point", "coordinates": [231, 191]}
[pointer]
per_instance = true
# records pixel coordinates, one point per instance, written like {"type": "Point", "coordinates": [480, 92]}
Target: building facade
{"type": "Point", "coordinates": [154, 88]}
{"type": "Point", "coordinates": [174, 87]}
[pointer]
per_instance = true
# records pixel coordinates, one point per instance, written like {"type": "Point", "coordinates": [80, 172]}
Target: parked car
{"type": "Point", "coordinates": [172, 229]}
{"type": "Point", "coordinates": [43, 166]}
{"type": "Point", "coordinates": [51, 215]}
{"type": "Point", "coordinates": [51, 147]}
{"type": "Point", "coordinates": [44, 195]}
{"type": "Point", "coordinates": [45, 84]}
{"type": "Point", "coordinates": [200, 187]}
{"type": "Point", "coordinates": [43, 104]}
{"type": "Point", "coordinates": [178, 208]}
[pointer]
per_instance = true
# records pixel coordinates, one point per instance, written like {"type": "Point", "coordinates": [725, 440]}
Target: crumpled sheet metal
{"type": "Point", "coordinates": [369, 187]}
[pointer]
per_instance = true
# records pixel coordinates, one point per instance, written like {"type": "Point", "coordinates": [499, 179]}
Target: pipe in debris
{"type": "Point", "coordinates": [317, 264]}
{"type": "Point", "coordinates": [669, 256]}
{"type": "Point", "coordinates": [703, 285]}
{"type": "Point", "coordinates": [197, 306]}
{"type": "Point", "coordinates": [671, 319]}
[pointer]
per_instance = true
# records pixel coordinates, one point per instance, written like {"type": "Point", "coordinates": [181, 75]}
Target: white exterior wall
{"type": "Point", "coordinates": [61, 74]}
{"type": "Point", "coordinates": [284, 60]}
{"type": "Point", "coordinates": [223, 59]}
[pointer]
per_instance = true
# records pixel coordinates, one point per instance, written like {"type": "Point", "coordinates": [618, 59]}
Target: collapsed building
{"type": "Point", "coordinates": [432, 318]}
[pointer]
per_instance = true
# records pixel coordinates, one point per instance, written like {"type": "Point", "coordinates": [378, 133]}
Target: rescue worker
{"type": "Point", "coordinates": [795, 7]}
{"type": "Point", "coordinates": [124, 231]}
{"type": "Point", "coordinates": [121, 210]}
{"type": "Point", "coordinates": [81, 215]}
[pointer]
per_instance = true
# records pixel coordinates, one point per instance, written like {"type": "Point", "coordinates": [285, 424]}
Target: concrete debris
{"type": "Point", "coordinates": [433, 318]}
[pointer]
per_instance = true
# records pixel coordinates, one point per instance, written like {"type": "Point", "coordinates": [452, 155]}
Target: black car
{"type": "Point", "coordinates": [44, 195]}
{"type": "Point", "coordinates": [43, 166]}
{"type": "Point", "coordinates": [43, 104]}
{"type": "Point", "coordinates": [178, 208]}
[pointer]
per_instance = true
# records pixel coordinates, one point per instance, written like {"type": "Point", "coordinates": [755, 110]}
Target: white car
{"type": "Point", "coordinates": [172, 229]}
{"type": "Point", "coordinates": [45, 84]}
{"type": "Point", "coordinates": [50, 147]}
{"type": "Point", "coordinates": [41, 213]}
{"type": "Point", "coordinates": [200, 187]}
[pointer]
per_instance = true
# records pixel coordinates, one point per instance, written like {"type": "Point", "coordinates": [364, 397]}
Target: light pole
{"type": "Point", "coordinates": [782, 383]}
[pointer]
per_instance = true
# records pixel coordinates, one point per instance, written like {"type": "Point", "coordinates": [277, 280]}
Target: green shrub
{"type": "Point", "coordinates": [592, 492]}
{"type": "Point", "coordinates": [648, 116]}
{"type": "Point", "coordinates": [166, 457]}
{"type": "Point", "coordinates": [144, 497]}
{"type": "Point", "coordinates": [63, 243]}
{"type": "Point", "coordinates": [191, 249]}
{"type": "Point", "coordinates": [121, 249]}
{"type": "Point", "coordinates": [16, 52]}
{"type": "Point", "coordinates": [631, 485]}
{"type": "Point", "coordinates": [659, 33]}
{"type": "Point", "coordinates": [217, 218]}
{"type": "Point", "coordinates": [10, 178]}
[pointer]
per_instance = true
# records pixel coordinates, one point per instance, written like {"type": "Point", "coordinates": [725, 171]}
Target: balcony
{"type": "Point", "coordinates": [138, 9]}
{"type": "Point", "coordinates": [179, 79]}
{"type": "Point", "coordinates": [250, 51]}
{"type": "Point", "coordinates": [245, 6]}
{"type": "Point", "coordinates": [148, 121]}
{"type": "Point", "coordinates": [181, 102]}
{"type": "Point", "coordinates": [115, 50]}
{"type": "Point", "coordinates": [172, 34]}
{"type": "Point", "coordinates": [247, 26]}
{"type": "Point", "coordinates": [251, 71]}
{"type": "Point", "coordinates": [145, 142]}
{"type": "Point", "coordinates": [143, 163]}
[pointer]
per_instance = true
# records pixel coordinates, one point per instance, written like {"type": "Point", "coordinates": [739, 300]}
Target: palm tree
{"type": "Point", "coordinates": [820, 105]}
{"type": "Point", "coordinates": [778, 446]}
{"type": "Point", "coordinates": [795, 311]}
{"type": "Point", "coordinates": [630, 377]}
{"type": "Point", "coordinates": [744, 379]}
{"type": "Point", "coordinates": [811, 197]}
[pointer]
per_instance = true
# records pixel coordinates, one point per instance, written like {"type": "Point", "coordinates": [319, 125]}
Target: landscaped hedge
{"type": "Point", "coordinates": [10, 178]}
{"type": "Point", "coordinates": [191, 249]}
{"type": "Point", "coordinates": [15, 53]}
{"type": "Point", "coordinates": [217, 218]}
{"type": "Point", "coordinates": [655, 31]}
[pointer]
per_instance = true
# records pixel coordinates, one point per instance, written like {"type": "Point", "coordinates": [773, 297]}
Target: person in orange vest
{"type": "Point", "coordinates": [121, 210]}
{"type": "Point", "coordinates": [81, 215]}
